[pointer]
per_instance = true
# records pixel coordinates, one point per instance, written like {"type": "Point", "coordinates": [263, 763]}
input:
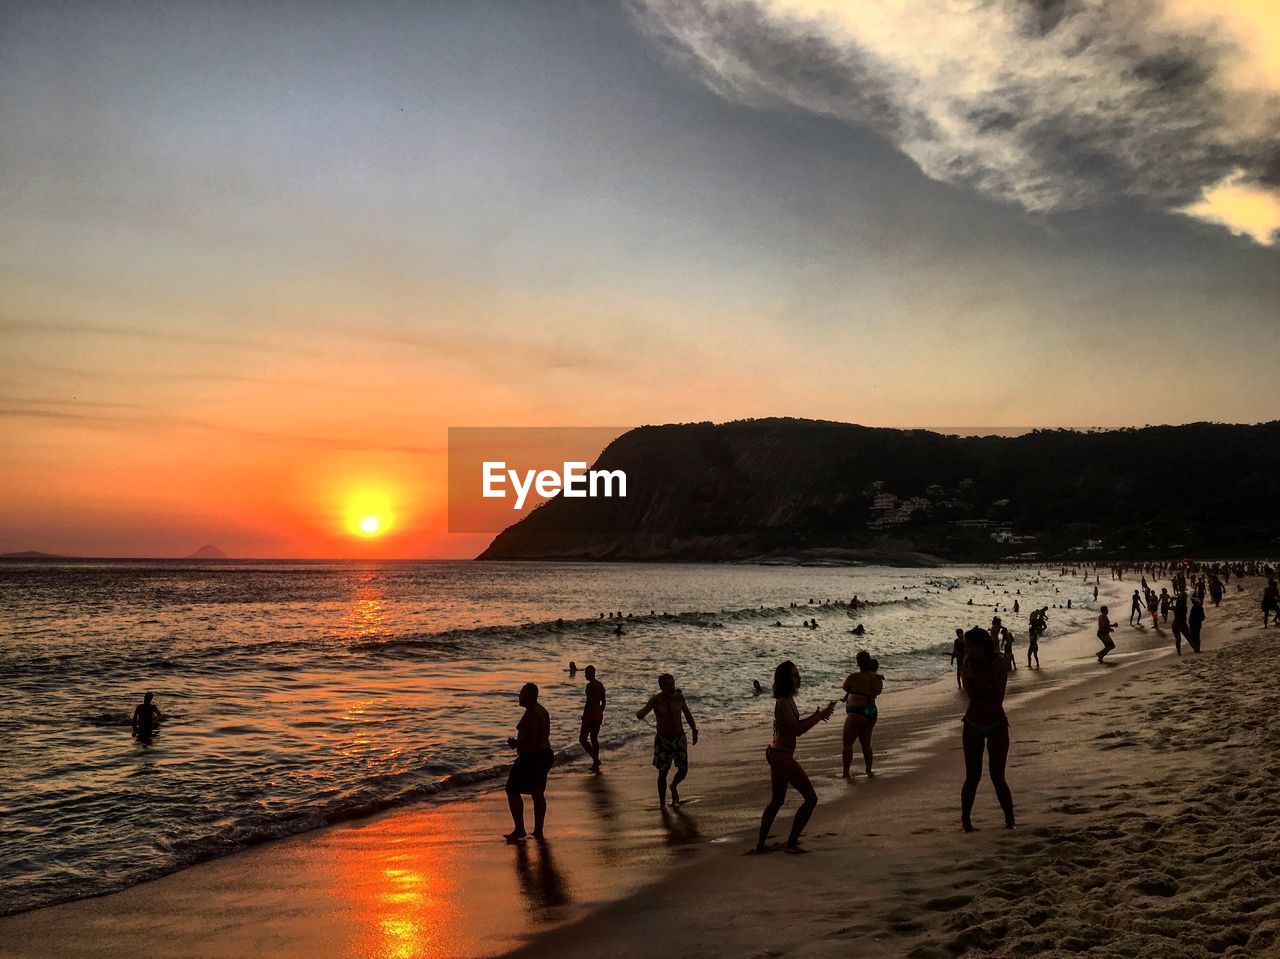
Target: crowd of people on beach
{"type": "Point", "coordinates": [983, 657]}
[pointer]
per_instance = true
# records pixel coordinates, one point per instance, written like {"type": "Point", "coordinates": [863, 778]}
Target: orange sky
{"type": "Point", "coordinates": [257, 262]}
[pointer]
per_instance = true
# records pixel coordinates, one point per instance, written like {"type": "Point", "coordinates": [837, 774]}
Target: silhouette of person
{"type": "Point", "coordinates": [534, 759]}
{"type": "Point", "coordinates": [146, 716]}
{"type": "Point", "coordinates": [784, 771]}
{"type": "Point", "coordinates": [985, 727]}
{"type": "Point", "coordinates": [592, 717]}
{"type": "Point", "coordinates": [957, 655]}
{"type": "Point", "coordinates": [669, 744]}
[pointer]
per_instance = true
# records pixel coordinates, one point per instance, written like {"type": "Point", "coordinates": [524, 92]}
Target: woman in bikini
{"type": "Point", "coordinates": [784, 771]}
{"type": "Point", "coordinates": [985, 726]}
{"type": "Point", "coordinates": [861, 689]}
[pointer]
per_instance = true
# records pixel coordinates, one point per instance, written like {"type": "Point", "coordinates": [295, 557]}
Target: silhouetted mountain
{"type": "Point", "coordinates": [31, 554]}
{"type": "Point", "coordinates": [208, 552]}
{"type": "Point", "coordinates": [800, 490]}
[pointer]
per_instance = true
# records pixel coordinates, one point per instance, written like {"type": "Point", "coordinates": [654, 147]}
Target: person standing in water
{"type": "Point", "coordinates": [146, 716]}
{"type": "Point", "coordinates": [592, 718]}
{"type": "Point", "coordinates": [1135, 609]}
{"type": "Point", "coordinates": [860, 692]}
{"type": "Point", "coordinates": [784, 771]}
{"type": "Point", "coordinates": [1105, 628]}
{"type": "Point", "coordinates": [669, 744]}
{"type": "Point", "coordinates": [985, 726]}
{"type": "Point", "coordinates": [534, 759]}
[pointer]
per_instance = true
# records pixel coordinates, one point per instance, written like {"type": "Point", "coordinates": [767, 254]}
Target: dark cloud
{"type": "Point", "coordinates": [1050, 104]}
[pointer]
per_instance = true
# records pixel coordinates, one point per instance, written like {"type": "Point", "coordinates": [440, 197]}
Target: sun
{"type": "Point", "coordinates": [369, 514]}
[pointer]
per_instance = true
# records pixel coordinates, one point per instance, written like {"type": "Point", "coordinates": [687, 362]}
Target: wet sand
{"type": "Point", "coordinates": [1117, 801]}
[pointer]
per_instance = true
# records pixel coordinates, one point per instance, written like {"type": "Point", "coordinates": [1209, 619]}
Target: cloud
{"type": "Point", "coordinates": [1049, 104]}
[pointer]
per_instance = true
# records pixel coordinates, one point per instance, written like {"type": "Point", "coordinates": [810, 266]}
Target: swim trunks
{"type": "Point", "coordinates": [670, 749]}
{"type": "Point", "coordinates": [529, 772]}
{"type": "Point", "coordinates": [593, 719]}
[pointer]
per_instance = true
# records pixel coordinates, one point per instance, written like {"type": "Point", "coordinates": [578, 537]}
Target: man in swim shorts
{"type": "Point", "coordinates": [669, 744]}
{"type": "Point", "coordinates": [534, 759]}
{"type": "Point", "coordinates": [592, 717]}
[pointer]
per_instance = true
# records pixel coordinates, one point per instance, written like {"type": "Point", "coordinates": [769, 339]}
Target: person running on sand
{"type": "Point", "coordinates": [669, 743]}
{"type": "Point", "coordinates": [985, 727]}
{"type": "Point", "coordinates": [592, 718]}
{"type": "Point", "coordinates": [784, 771]}
{"type": "Point", "coordinates": [146, 717]}
{"type": "Point", "coordinates": [534, 759]}
{"type": "Point", "coordinates": [860, 692]}
{"type": "Point", "coordinates": [957, 655]}
{"type": "Point", "coordinates": [1105, 628]}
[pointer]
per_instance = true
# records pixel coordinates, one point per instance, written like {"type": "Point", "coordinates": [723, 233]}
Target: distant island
{"type": "Point", "coordinates": [805, 491]}
{"type": "Point", "coordinates": [207, 552]}
{"type": "Point", "coordinates": [31, 554]}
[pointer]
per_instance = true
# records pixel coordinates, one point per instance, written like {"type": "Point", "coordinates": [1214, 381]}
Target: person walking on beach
{"type": "Point", "coordinates": [1135, 609]}
{"type": "Point", "coordinates": [1006, 648]}
{"type": "Point", "coordinates": [592, 718]}
{"type": "Point", "coordinates": [860, 692]}
{"type": "Point", "coordinates": [534, 759]}
{"type": "Point", "coordinates": [784, 771]}
{"type": "Point", "coordinates": [669, 744]}
{"type": "Point", "coordinates": [985, 726]}
{"type": "Point", "coordinates": [146, 716]}
{"type": "Point", "coordinates": [1105, 628]}
{"type": "Point", "coordinates": [957, 655]}
{"type": "Point", "coordinates": [1196, 620]}
{"type": "Point", "coordinates": [1270, 602]}
{"type": "Point", "coordinates": [1033, 648]}
{"type": "Point", "coordinates": [1180, 628]}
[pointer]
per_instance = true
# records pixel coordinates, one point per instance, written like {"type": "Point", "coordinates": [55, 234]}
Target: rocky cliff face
{"type": "Point", "coordinates": [802, 489]}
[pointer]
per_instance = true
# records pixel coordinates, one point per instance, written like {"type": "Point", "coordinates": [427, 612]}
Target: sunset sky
{"type": "Point", "coordinates": [257, 258]}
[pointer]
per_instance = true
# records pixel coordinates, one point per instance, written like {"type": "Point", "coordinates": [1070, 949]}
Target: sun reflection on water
{"type": "Point", "coordinates": [366, 616]}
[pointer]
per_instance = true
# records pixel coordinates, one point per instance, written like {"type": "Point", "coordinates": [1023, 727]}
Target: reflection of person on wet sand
{"type": "Point", "coordinates": [592, 717]}
{"type": "Point", "coordinates": [146, 717]}
{"type": "Point", "coordinates": [669, 744]}
{"type": "Point", "coordinates": [681, 829]}
{"type": "Point", "coordinates": [541, 884]}
{"type": "Point", "coordinates": [534, 758]}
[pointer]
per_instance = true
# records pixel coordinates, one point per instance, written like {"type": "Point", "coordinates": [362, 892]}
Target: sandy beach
{"type": "Point", "coordinates": [1144, 792]}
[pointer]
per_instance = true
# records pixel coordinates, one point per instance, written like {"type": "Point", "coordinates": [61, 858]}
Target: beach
{"type": "Point", "coordinates": [1143, 791]}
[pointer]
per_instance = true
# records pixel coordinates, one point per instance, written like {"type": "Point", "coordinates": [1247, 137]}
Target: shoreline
{"type": "Point", "coordinates": [606, 836]}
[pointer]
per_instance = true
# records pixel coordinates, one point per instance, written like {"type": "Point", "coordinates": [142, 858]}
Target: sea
{"type": "Point", "coordinates": [301, 694]}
